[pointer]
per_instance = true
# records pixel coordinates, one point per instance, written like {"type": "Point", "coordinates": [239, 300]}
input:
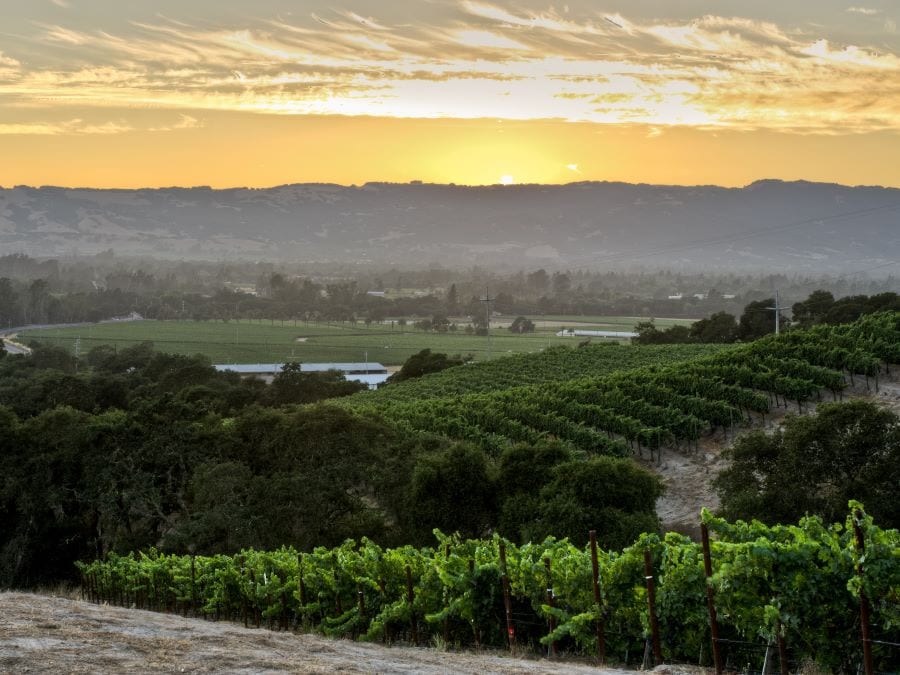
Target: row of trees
{"type": "Point", "coordinates": [758, 319]}
{"type": "Point", "coordinates": [34, 291]}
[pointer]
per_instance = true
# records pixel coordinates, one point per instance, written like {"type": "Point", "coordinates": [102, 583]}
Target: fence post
{"type": "Point", "coordinates": [551, 603]}
{"type": "Point", "coordinates": [863, 598]}
{"type": "Point", "coordinates": [193, 586]}
{"type": "Point", "coordinates": [782, 650]}
{"type": "Point", "coordinates": [710, 605]}
{"type": "Point", "coordinates": [243, 593]}
{"type": "Point", "coordinates": [446, 624]}
{"type": "Point", "coordinates": [475, 629]}
{"type": "Point", "coordinates": [410, 598]}
{"type": "Point", "coordinates": [361, 598]}
{"type": "Point", "coordinates": [651, 604]}
{"type": "Point", "coordinates": [601, 637]}
{"type": "Point", "coordinates": [507, 605]}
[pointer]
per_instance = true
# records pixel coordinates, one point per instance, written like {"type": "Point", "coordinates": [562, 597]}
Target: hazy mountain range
{"type": "Point", "coordinates": [795, 226]}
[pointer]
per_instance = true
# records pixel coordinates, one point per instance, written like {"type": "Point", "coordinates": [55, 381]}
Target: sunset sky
{"type": "Point", "coordinates": [265, 92]}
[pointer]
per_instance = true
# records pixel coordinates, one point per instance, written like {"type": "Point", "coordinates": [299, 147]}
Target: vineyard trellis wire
{"type": "Point", "coordinates": [798, 587]}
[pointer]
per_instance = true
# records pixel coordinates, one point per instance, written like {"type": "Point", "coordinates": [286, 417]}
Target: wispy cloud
{"type": "Point", "coordinates": [81, 127]}
{"type": "Point", "coordinates": [490, 60]}
{"type": "Point", "coordinates": [69, 127]}
{"type": "Point", "coordinates": [868, 11]}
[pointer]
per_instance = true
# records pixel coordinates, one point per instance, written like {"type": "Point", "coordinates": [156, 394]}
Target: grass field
{"type": "Point", "coordinates": [268, 342]}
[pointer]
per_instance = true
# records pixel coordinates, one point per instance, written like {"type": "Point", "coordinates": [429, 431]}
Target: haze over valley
{"type": "Point", "coordinates": [766, 226]}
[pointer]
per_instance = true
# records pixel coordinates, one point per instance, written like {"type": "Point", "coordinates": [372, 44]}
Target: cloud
{"type": "Point", "coordinates": [486, 39]}
{"type": "Point", "coordinates": [8, 65]}
{"type": "Point", "coordinates": [483, 60]}
{"type": "Point", "coordinates": [81, 127]}
{"type": "Point", "coordinates": [70, 127]}
{"type": "Point", "coordinates": [183, 122]}
{"type": "Point", "coordinates": [868, 11]}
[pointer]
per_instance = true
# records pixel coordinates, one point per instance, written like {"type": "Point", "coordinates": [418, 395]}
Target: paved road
{"type": "Point", "coordinates": [13, 348]}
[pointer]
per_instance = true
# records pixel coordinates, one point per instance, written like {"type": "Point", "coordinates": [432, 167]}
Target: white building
{"type": "Point", "coordinates": [618, 335]}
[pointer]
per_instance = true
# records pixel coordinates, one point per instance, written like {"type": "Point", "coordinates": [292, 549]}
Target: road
{"type": "Point", "coordinates": [13, 347]}
{"type": "Point", "coordinates": [7, 335]}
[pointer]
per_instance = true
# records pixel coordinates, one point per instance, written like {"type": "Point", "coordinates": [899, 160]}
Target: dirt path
{"type": "Point", "coordinates": [40, 634]}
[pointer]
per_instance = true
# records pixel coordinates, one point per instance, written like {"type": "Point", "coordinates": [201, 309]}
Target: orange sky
{"type": "Point", "coordinates": [233, 149]}
{"type": "Point", "coordinates": [239, 93]}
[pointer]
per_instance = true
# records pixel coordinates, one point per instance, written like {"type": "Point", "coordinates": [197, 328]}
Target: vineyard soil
{"type": "Point", "coordinates": [40, 634]}
{"type": "Point", "coordinates": [688, 477]}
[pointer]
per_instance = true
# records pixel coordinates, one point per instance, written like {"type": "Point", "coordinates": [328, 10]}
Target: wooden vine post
{"type": "Point", "coordinates": [410, 598]}
{"type": "Point", "coordinates": [193, 585]}
{"type": "Point", "coordinates": [651, 605]}
{"type": "Point", "coordinates": [445, 628]}
{"type": "Point", "coordinates": [475, 629]}
{"type": "Point", "coordinates": [507, 604]}
{"type": "Point", "coordinates": [595, 569]}
{"type": "Point", "coordinates": [868, 664]}
{"type": "Point", "coordinates": [710, 604]}
{"type": "Point", "coordinates": [551, 602]}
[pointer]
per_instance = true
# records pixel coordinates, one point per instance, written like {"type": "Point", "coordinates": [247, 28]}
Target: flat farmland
{"type": "Point", "coordinates": [254, 341]}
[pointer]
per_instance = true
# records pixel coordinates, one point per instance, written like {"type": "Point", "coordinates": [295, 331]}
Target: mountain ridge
{"type": "Point", "coordinates": [769, 224]}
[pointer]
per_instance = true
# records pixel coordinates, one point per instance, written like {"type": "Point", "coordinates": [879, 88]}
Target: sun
{"type": "Point", "coordinates": [507, 180]}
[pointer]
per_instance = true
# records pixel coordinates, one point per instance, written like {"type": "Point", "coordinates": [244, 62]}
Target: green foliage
{"type": "Point", "coordinates": [721, 327]}
{"type": "Point", "coordinates": [521, 325]}
{"type": "Point", "coordinates": [424, 363]}
{"type": "Point", "coordinates": [525, 469]}
{"type": "Point", "coordinates": [452, 490]}
{"type": "Point", "coordinates": [613, 496]}
{"type": "Point", "coordinates": [758, 319]}
{"type": "Point", "coordinates": [815, 464]}
{"type": "Point", "coordinates": [291, 385]}
{"type": "Point", "coordinates": [640, 410]}
{"type": "Point", "coordinates": [802, 578]}
{"type": "Point", "coordinates": [555, 364]}
{"type": "Point", "coordinates": [812, 310]}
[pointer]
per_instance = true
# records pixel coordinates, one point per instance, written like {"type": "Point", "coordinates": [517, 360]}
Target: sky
{"type": "Point", "coordinates": [149, 93]}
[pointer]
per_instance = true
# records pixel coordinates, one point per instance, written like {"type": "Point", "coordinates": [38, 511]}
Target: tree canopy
{"type": "Point", "coordinates": [814, 465]}
{"type": "Point", "coordinates": [425, 362]}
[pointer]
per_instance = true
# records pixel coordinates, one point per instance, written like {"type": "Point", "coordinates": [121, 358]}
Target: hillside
{"type": "Point", "coordinates": [765, 225]}
{"type": "Point", "coordinates": [556, 364]}
{"type": "Point", "coordinates": [49, 634]}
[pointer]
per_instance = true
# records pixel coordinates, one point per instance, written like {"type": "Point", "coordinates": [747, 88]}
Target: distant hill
{"type": "Point", "coordinates": [795, 226]}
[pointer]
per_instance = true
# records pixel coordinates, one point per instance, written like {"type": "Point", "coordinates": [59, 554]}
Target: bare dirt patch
{"type": "Point", "coordinates": [688, 476]}
{"type": "Point", "coordinates": [40, 634]}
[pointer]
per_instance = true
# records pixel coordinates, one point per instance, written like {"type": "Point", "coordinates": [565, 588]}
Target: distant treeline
{"type": "Point", "coordinates": [91, 289]}
{"type": "Point", "coordinates": [758, 319]}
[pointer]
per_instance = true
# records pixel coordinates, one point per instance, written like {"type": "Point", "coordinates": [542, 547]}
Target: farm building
{"type": "Point", "coordinates": [617, 335]}
{"type": "Point", "coordinates": [371, 374]}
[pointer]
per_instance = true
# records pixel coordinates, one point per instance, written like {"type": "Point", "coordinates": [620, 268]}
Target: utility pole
{"type": "Point", "coordinates": [777, 309]}
{"type": "Point", "coordinates": [487, 316]}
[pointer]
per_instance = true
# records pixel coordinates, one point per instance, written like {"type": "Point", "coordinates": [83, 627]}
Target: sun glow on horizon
{"type": "Point", "coordinates": [464, 91]}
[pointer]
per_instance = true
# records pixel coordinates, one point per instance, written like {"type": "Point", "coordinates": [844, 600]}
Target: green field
{"type": "Point", "coordinates": [268, 342]}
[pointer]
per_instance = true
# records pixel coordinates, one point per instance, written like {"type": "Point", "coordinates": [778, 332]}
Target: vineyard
{"type": "Point", "coordinates": [630, 411]}
{"type": "Point", "coordinates": [551, 365]}
{"type": "Point", "coordinates": [751, 593]}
